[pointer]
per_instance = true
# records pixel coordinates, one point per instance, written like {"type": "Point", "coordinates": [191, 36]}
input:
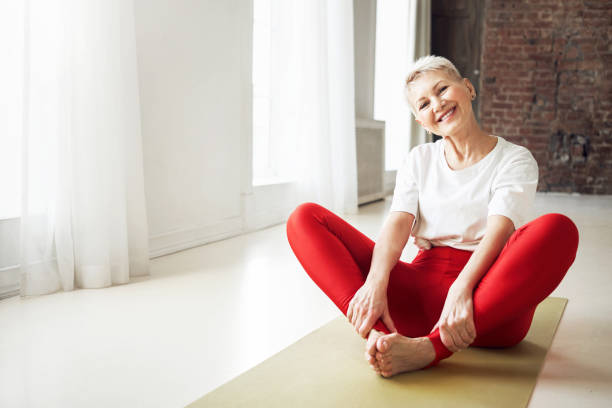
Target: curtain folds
{"type": "Point", "coordinates": [83, 218]}
{"type": "Point", "coordinates": [312, 109]}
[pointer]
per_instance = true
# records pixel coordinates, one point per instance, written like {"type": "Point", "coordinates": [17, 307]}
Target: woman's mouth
{"type": "Point", "coordinates": [447, 115]}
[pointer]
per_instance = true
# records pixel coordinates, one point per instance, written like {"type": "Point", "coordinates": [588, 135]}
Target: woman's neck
{"type": "Point", "coordinates": [467, 147]}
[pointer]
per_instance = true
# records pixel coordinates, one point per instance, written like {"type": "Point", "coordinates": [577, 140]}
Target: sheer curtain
{"type": "Point", "coordinates": [312, 103]}
{"type": "Point", "coordinates": [83, 219]}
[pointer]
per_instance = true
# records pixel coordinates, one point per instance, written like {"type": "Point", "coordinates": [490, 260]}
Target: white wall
{"type": "Point", "coordinates": [194, 60]}
{"type": "Point", "coordinates": [365, 56]}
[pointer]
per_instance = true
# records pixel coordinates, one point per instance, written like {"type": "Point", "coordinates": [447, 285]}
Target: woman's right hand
{"type": "Point", "coordinates": [367, 306]}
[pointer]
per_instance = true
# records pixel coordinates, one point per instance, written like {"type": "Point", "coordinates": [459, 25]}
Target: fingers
{"type": "Point", "coordinates": [357, 316]}
{"type": "Point", "coordinates": [366, 325]}
{"type": "Point", "coordinates": [366, 307]}
{"type": "Point", "coordinates": [464, 338]}
{"type": "Point", "coordinates": [464, 333]}
{"type": "Point", "coordinates": [360, 318]}
{"type": "Point", "coordinates": [422, 243]}
{"type": "Point", "coordinates": [449, 338]}
{"type": "Point", "coordinates": [354, 312]}
{"type": "Point", "coordinates": [386, 318]}
{"type": "Point", "coordinates": [471, 329]}
{"type": "Point", "coordinates": [466, 328]}
{"type": "Point", "coordinates": [457, 334]}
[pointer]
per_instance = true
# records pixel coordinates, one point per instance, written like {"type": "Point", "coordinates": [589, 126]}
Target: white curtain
{"type": "Point", "coordinates": [420, 31]}
{"type": "Point", "coordinates": [312, 108]}
{"type": "Point", "coordinates": [83, 219]}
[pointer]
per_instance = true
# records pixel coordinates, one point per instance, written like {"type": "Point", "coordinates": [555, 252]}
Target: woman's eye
{"type": "Point", "coordinates": [423, 105]}
{"type": "Point", "coordinates": [443, 88]}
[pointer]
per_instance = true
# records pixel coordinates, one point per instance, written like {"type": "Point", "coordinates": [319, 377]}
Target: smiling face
{"type": "Point", "coordinates": [441, 102]}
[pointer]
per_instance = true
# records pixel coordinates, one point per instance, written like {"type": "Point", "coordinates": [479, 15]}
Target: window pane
{"type": "Point", "coordinates": [390, 68]}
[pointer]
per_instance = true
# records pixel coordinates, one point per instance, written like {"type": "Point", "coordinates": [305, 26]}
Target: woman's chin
{"type": "Point", "coordinates": [448, 128]}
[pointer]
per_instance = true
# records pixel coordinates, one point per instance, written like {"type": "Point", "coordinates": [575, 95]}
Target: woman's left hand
{"type": "Point", "coordinates": [456, 323]}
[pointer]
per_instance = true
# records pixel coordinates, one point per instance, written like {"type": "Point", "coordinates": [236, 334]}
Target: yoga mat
{"type": "Point", "coordinates": [327, 368]}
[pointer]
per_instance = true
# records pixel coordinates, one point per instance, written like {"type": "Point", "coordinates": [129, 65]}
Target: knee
{"type": "Point", "coordinates": [562, 228]}
{"type": "Point", "coordinates": [303, 214]}
{"type": "Point", "coordinates": [558, 236]}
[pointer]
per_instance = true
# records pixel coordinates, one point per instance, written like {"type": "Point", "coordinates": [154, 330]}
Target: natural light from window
{"type": "Point", "coordinates": [392, 36]}
{"type": "Point", "coordinates": [11, 83]}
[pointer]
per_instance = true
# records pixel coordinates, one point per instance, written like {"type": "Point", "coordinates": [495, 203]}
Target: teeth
{"type": "Point", "coordinates": [447, 115]}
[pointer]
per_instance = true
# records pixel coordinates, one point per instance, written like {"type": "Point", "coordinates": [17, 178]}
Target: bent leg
{"type": "Point", "coordinates": [337, 258]}
{"type": "Point", "coordinates": [531, 265]}
{"type": "Point", "coordinates": [335, 255]}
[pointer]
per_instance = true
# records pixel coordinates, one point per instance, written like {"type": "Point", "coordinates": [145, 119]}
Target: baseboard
{"type": "Point", "coordinates": [268, 205]}
{"type": "Point", "coordinates": [9, 281]}
{"type": "Point", "coordinates": [175, 241]}
{"type": "Point", "coordinates": [7, 293]}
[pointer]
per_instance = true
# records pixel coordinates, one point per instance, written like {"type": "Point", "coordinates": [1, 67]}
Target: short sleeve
{"type": "Point", "coordinates": [514, 187]}
{"type": "Point", "coordinates": [406, 193]}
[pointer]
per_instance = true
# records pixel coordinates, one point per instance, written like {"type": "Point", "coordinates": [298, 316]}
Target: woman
{"type": "Point", "coordinates": [479, 273]}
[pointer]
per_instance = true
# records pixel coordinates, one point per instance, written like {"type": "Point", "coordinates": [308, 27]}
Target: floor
{"type": "Point", "coordinates": [207, 314]}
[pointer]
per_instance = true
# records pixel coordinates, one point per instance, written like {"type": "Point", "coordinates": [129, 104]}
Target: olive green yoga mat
{"type": "Point", "coordinates": [327, 368]}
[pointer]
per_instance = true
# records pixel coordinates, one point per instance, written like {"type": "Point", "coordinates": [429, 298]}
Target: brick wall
{"type": "Point", "coordinates": [546, 85]}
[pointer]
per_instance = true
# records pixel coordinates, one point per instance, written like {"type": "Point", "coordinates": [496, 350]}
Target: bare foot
{"type": "Point", "coordinates": [397, 354]}
{"type": "Point", "coordinates": [371, 350]}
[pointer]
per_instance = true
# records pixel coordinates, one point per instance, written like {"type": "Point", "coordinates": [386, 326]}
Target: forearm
{"type": "Point", "coordinates": [384, 258]}
{"type": "Point", "coordinates": [499, 229]}
{"type": "Point", "coordinates": [389, 247]}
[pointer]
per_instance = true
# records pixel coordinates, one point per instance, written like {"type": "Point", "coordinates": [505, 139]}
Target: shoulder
{"type": "Point", "coordinates": [515, 159]}
{"type": "Point", "coordinates": [513, 153]}
{"type": "Point", "coordinates": [424, 151]}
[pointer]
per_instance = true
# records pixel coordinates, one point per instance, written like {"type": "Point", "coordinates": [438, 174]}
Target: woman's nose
{"type": "Point", "coordinates": [437, 104]}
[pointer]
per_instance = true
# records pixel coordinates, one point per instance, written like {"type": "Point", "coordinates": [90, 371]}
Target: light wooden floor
{"type": "Point", "coordinates": [207, 314]}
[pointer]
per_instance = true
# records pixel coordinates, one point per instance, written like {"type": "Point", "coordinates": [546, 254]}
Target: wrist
{"type": "Point", "coordinates": [377, 279]}
{"type": "Point", "coordinates": [462, 285]}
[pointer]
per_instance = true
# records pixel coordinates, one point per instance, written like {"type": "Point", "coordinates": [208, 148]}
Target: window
{"type": "Point", "coordinates": [392, 39]}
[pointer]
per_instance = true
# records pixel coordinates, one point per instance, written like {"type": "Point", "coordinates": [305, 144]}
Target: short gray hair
{"type": "Point", "coordinates": [426, 64]}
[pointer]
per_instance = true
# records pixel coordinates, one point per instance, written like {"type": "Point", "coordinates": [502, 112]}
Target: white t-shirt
{"type": "Point", "coordinates": [451, 206]}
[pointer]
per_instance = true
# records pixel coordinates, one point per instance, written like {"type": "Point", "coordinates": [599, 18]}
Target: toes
{"type": "Point", "coordinates": [386, 374]}
{"type": "Point", "coordinates": [371, 344]}
{"type": "Point", "coordinates": [383, 343]}
{"type": "Point", "coordinates": [374, 365]}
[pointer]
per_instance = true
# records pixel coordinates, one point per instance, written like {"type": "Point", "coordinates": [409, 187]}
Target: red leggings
{"type": "Point", "coordinates": [530, 266]}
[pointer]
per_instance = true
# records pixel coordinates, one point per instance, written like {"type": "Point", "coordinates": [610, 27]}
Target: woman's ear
{"type": "Point", "coordinates": [470, 87]}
